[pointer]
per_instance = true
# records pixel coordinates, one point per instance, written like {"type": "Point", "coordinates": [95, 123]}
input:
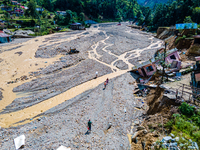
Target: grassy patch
{"type": "Point", "coordinates": [186, 124]}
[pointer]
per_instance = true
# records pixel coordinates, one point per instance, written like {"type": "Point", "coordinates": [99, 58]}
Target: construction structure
{"type": "Point", "coordinates": [195, 75]}
{"type": "Point", "coordinates": [4, 38]}
{"type": "Point", "coordinates": [77, 26]}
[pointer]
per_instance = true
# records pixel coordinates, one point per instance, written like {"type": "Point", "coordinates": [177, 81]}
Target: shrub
{"type": "Point", "coordinates": [169, 124]}
{"type": "Point", "coordinates": [186, 109]}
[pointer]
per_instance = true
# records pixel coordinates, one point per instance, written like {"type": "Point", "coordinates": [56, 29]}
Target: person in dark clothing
{"type": "Point", "coordinates": [89, 125]}
{"type": "Point", "coordinates": [107, 80]}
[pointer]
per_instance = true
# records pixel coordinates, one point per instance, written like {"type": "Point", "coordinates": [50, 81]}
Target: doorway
{"type": "Point", "coordinates": [8, 39]}
{"type": "Point", "coordinates": [144, 73]}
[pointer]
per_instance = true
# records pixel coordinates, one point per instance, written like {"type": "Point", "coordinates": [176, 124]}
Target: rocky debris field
{"type": "Point", "coordinates": [72, 70]}
{"type": "Point", "coordinates": [104, 48]}
{"type": "Point", "coordinates": [55, 83]}
{"type": "Point", "coordinates": [18, 32]}
{"type": "Point", "coordinates": [121, 65]}
{"type": "Point", "coordinates": [66, 124]}
{"type": "Point", "coordinates": [80, 43]}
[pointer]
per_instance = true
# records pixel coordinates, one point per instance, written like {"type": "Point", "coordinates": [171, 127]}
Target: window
{"type": "Point", "coordinates": [172, 57]}
{"type": "Point", "coordinates": [149, 68]}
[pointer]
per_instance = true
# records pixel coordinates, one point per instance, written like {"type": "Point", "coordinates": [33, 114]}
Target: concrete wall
{"type": "Point", "coordinates": [151, 72]}
{"type": "Point", "coordinates": [169, 60]}
{"type": "Point", "coordinates": [145, 69]}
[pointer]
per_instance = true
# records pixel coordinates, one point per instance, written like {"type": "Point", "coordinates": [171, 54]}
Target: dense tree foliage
{"type": "Point", "coordinates": [172, 12]}
{"type": "Point", "coordinates": [31, 11]}
{"type": "Point", "coordinates": [95, 9]}
{"type": "Point", "coordinates": [161, 14]}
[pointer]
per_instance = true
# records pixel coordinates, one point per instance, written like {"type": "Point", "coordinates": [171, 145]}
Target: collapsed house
{"type": "Point", "coordinates": [195, 75]}
{"type": "Point", "coordinates": [172, 59]}
{"type": "Point", "coordinates": [4, 38]}
{"type": "Point", "coordinates": [77, 26]}
{"type": "Point", "coordinates": [147, 68]}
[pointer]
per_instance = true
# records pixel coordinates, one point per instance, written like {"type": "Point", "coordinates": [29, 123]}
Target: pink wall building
{"type": "Point", "coordinates": [173, 56]}
{"type": "Point", "coordinates": [147, 70]}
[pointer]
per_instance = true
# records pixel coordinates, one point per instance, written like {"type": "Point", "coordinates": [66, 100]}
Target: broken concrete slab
{"type": "Point", "coordinates": [19, 141]}
{"type": "Point", "coordinates": [63, 148]}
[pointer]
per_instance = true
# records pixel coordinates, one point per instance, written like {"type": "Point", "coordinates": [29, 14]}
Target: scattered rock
{"type": "Point", "coordinates": [172, 135]}
{"type": "Point", "coordinates": [136, 122]}
{"type": "Point", "coordinates": [167, 138]}
{"type": "Point", "coordinates": [177, 139]}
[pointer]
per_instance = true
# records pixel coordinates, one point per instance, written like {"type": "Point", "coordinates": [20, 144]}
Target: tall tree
{"type": "Point", "coordinates": [31, 11]}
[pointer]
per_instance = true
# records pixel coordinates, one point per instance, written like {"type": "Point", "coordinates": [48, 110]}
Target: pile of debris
{"type": "Point", "coordinates": [162, 103]}
{"type": "Point", "coordinates": [175, 143]}
{"type": "Point", "coordinates": [20, 33]}
{"type": "Point", "coordinates": [165, 32]}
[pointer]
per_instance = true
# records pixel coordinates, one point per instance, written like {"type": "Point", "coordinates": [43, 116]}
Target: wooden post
{"type": "Point", "coordinates": [163, 72]}
{"type": "Point", "coordinates": [182, 91]}
{"type": "Point", "coordinates": [162, 125]}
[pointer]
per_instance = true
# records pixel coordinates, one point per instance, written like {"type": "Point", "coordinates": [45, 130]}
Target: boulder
{"type": "Point", "coordinates": [63, 148]}
{"type": "Point", "coordinates": [166, 139]}
{"type": "Point", "coordinates": [140, 128]}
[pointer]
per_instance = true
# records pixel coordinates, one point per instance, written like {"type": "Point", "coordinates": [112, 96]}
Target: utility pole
{"type": "Point", "coordinates": [163, 72]}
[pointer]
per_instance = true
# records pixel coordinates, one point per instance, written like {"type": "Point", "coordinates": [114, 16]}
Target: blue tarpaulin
{"type": "Point", "coordinates": [186, 26]}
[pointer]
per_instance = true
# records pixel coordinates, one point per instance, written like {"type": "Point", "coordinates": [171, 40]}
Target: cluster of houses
{"type": "Point", "coordinates": [148, 68]}
{"type": "Point", "coordinates": [18, 9]}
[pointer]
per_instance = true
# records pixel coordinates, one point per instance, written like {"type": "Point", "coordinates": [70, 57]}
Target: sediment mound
{"type": "Point", "coordinates": [162, 104]}
{"type": "Point", "coordinates": [159, 102]}
{"type": "Point", "coordinates": [184, 43]}
{"type": "Point", "coordinates": [194, 49]}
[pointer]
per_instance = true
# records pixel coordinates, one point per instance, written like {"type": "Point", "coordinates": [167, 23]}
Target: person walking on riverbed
{"type": "Point", "coordinates": [96, 74]}
{"type": "Point", "coordinates": [89, 125]}
{"type": "Point", "coordinates": [105, 83]}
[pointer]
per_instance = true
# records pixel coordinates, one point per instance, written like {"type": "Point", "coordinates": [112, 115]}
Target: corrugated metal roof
{"type": "Point", "coordinates": [76, 23]}
{"type": "Point", "coordinates": [4, 35]}
{"type": "Point", "coordinates": [196, 36]}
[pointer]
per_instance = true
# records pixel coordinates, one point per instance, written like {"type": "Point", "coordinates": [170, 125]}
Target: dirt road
{"type": "Point", "coordinates": [39, 79]}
